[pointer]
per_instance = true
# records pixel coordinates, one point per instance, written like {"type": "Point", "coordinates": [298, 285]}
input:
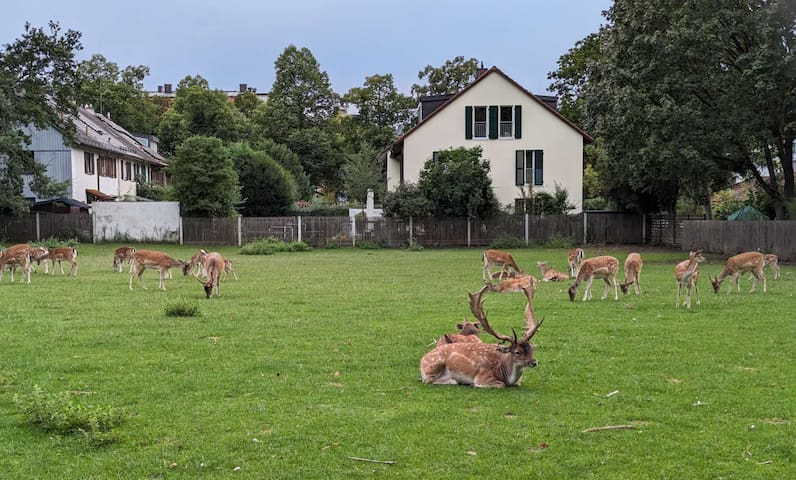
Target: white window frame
{"type": "Point", "coordinates": [501, 122]}
{"type": "Point", "coordinates": [485, 123]}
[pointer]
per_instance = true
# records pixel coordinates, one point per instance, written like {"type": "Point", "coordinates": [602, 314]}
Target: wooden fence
{"type": "Point", "coordinates": [730, 238]}
{"type": "Point", "coordinates": [41, 226]}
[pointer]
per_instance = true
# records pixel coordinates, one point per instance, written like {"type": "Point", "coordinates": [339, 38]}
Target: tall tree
{"type": "Point", "coordinates": [267, 189]}
{"type": "Point", "coordinates": [320, 156]}
{"type": "Point", "coordinates": [204, 178]}
{"type": "Point", "coordinates": [37, 86]}
{"type": "Point", "coordinates": [302, 89]}
{"type": "Point", "coordinates": [363, 171]}
{"type": "Point", "coordinates": [118, 93]}
{"type": "Point", "coordinates": [285, 157]}
{"type": "Point", "coordinates": [378, 102]}
{"type": "Point", "coordinates": [451, 77]}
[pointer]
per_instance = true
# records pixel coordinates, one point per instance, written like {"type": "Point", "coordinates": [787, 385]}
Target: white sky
{"type": "Point", "coordinates": [232, 42]}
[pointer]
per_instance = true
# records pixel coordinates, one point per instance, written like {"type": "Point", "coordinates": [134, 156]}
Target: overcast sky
{"type": "Point", "coordinates": [237, 41]}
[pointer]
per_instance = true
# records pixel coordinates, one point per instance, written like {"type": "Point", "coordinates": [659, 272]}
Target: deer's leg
{"type": "Point", "coordinates": [587, 290]}
{"type": "Point", "coordinates": [26, 271]}
{"type": "Point", "coordinates": [162, 285]}
{"type": "Point", "coordinates": [696, 291]}
{"type": "Point", "coordinates": [637, 284]}
{"type": "Point", "coordinates": [677, 302]}
{"type": "Point", "coordinates": [141, 276]}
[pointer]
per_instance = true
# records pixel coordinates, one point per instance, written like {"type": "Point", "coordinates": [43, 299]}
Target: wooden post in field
{"type": "Point", "coordinates": [411, 232]}
{"type": "Point", "coordinates": [527, 229]}
{"type": "Point", "coordinates": [240, 232]}
{"type": "Point", "coordinates": [181, 239]}
{"type": "Point", "coordinates": [299, 227]}
{"type": "Point", "coordinates": [469, 235]}
{"type": "Point", "coordinates": [354, 231]}
{"type": "Point", "coordinates": [38, 228]}
{"type": "Point", "coordinates": [585, 228]}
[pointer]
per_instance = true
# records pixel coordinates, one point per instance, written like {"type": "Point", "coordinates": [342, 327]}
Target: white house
{"type": "Point", "coordinates": [526, 141]}
{"type": "Point", "coordinates": [101, 163]}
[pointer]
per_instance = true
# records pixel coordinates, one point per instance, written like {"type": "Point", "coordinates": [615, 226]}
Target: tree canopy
{"type": "Point", "coordinates": [204, 178]}
{"type": "Point", "coordinates": [451, 77]}
{"type": "Point", "coordinates": [267, 189]}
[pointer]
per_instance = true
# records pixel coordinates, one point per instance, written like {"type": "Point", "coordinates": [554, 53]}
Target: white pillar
{"type": "Point", "coordinates": [240, 232]}
{"type": "Point", "coordinates": [299, 228]}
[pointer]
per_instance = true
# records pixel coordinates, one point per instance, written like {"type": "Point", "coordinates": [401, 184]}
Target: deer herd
{"type": "Point", "coordinates": [206, 267]}
{"type": "Point", "coordinates": [462, 358]}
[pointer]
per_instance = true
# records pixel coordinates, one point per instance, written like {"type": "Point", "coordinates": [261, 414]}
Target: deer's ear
{"type": "Point", "coordinates": [459, 326]}
{"type": "Point", "coordinates": [477, 324]}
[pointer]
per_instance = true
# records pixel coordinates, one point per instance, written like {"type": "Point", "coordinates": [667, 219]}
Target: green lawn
{"type": "Point", "coordinates": [312, 358]}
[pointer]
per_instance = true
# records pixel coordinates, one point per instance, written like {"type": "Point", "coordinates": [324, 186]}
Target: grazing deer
{"type": "Point", "coordinates": [197, 262]}
{"type": "Point", "coordinates": [575, 259]}
{"type": "Point", "coordinates": [497, 258]}
{"type": "Point", "coordinates": [483, 364]}
{"type": "Point", "coordinates": [143, 259]}
{"type": "Point", "coordinates": [633, 266]}
{"type": "Point", "coordinates": [213, 266]}
{"type": "Point", "coordinates": [604, 267]}
{"type": "Point", "coordinates": [17, 258]}
{"type": "Point", "coordinates": [228, 269]}
{"type": "Point", "coordinates": [468, 332]}
{"type": "Point", "coordinates": [38, 255]}
{"type": "Point", "coordinates": [60, 254]}
{"type": "Point", "coordinates": [121, 255]}
{"type": "Point", "coordinates": [516, 283]}
{"type": "Point", "coordinates": [743, 262]}
{"type": "Point", "coordinates": [550, 275]}
{"type": "Point", "coordinates": [771, 260]}
{"type": "Point", "coordinates": [687, 275]}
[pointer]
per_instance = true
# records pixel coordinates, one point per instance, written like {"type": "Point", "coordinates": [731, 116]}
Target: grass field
{"type": "Point", "coordinates": [311, 358]}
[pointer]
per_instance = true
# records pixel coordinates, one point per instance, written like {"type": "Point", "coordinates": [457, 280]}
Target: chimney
{"type": "Point", "coordinates": [242, 87]}
{"type": "Point", "coordinates": [160, 88]}
{"type": "Point", "coordinates": [480, 71]}
{"type": "Point", "coordinates": [166, 88]}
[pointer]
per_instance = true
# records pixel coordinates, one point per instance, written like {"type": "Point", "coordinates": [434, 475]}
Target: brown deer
{"type": "Point", "coordinates": [743, 262]}
{"type": "Point", "coordinates": [121, 255]}
{"type": "Point", "coordinates": [771, 260]}
{"type": "Point", "coordinates": [497, 258]}
{"type": "Point", "coordinates": [19, 258]}
{"type": "Point", "coordinates": [687, 275]}
{"type": "Point", "coordinates": [550, 275]}
{"type": "Point", "coordinates": [575, 259]}
{"type": "Point", "coordinates": [604, 267]}
{"type": "Point", "coordinates": [143, 259]}
{"type": "Point", "coordinates": [483, 364]}
{"type": "Point", "coordinates": [213, 266]}
{"type": "Point", "coordinates": [38, 255]}
{"type": "Point", "coordinates": [197, 262]}
{"type": "Point", "coordinates": [633, 266]}
{"type": "Point", "coordinates": [228, 269]}
{"type": "Point", "coordinates": [468, 332]}
{"type": "Point", "coordinates": [517, 283]}
{"type": "Point", "coordinates": [60, 254]}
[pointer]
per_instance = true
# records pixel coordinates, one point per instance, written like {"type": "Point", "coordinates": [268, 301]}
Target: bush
{"type": "Point", "coordinates": [54, 242]}
{"type": "Point", "coordinates": [271, 245]}
{"type": "Point", "coordinates": [61, 414]}
{"type": "Point", "coordinates": [368, 245]}
{"type": "Point", "coordinates": [508, 242]}
{"type": "Point", "coordinates": [558, 240]}
{"type": "Point", "coordinates": [181, 308]}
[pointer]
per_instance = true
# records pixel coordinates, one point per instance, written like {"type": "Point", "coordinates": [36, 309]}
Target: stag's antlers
{"type": "Point", "coordinates": [477, 307]}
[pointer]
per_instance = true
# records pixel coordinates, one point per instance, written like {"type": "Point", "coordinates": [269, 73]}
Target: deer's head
{"type": "Point", "coordinates": [469, 328]}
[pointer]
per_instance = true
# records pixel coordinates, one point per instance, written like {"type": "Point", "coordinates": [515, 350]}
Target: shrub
{"type": "Point", "coordinates": [181, 308]}
{"type": "Point", "coordinates": [508, 242]}
{"type": "Point", "coordinates": [54, 242]}
{"type": "Point", "coordinates": [61, 414]}
{"type": "Point", "coordinates": [558, 240]}
{"type": "Point", "coordinates": [271, 245]}
{"type": "Point", "coordinates": [414, 246]}
{"type": "Point", "coordinates": [368, 245]}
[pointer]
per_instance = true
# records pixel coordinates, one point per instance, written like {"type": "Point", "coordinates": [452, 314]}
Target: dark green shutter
{"type": "Point", "coordinates": [468, 123]}
{"type": "Point", "coordinates": [519, 167]}
{"type": "Point", "coordinates": [493, 122]}
{"type": "Point", "coordinates": [538, 171]}
{"type": "Point", "coordinates": [517, 121]}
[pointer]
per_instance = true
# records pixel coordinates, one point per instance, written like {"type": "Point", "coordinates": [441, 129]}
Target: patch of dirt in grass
{"type": "Point", "coordinates": [775, 421]}
{"type": "Point", "coordinates": [748, 369]}
{"type": "Point", "coordinates": [539, 448]}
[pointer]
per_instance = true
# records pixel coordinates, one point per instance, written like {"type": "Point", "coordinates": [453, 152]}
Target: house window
{"type": "Point", "coordinates": [106, 167]}
{"type": "Point", "coordinates": [506, 122]}
{"type": "Point", "coordinates": [529, 167]}
{"type": "Point", "coordinates": [88, 163]}
{"type": "Point", "coordinates": [479, 122]}
{"type": "Point", "coordinates": [128, 170]}
{"type": "Point", "coordinates": [434, 157]}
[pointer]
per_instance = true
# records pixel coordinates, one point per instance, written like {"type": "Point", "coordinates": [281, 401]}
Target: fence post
{"type": "Point", "coordinates": [299, 227]}
{"type": "Point", "coordinates": [469, 235]}
{"type": "Point", "coordinates": [527, 230]}
{"type": "Point", "coordinates": [181, 229]}
{"type": "Point", "coordinates": [644, 228]}
{"type": "Point", "coordinates": [38, 228]}
{"type": "Point", "coordinates": [354, 231]}
{"type": "Point", "coordinates": [240, 232]}
{"type": "Point", "coordinates": [411, 232]}
{"type": "Point", "coordinates": [585, 228]}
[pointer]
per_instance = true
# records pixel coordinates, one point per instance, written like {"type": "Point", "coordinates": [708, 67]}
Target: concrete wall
{"type": "Point", "coordinates": [139, 221]}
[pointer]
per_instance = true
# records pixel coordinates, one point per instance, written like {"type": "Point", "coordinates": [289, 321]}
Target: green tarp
{"type": "Point", "coordinates": [747, 213]}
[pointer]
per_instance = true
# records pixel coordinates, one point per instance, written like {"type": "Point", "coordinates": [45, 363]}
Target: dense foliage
{"type": "Point", "coordinates": [204, 178]}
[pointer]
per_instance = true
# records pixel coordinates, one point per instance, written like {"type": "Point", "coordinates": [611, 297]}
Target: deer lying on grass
{"type": "Point", "coordinates": [771, 260]}
{"type": "Point", "coordinates": [743, 262]}
{"type": "Point", "coordinates": [121, 255]}
{"type": "Point", "coordinates": [687, 275]}
{"type": "Point", "coordinates": [633, 266]}
{"type": "Point", "coordinates": [60, 254]}
{"type": "Point", "coordinates": [604, 267]}
{"type": "Point", "coordinates": [497, 258]}
{"type": "Point", "coordinates": [550, 275]}
{"type": "Point", "coordinates": [482, 364]}
{"type": "Point", "coordinates": [575, 259]}
{"type": "Point", "coordinates": [516, 283]}
{"type": "Point", "coordinates": [213, 266]}
{"type": "Point", "coordinates": [15, 259]}
{"type": "Point", "coordinates": [143, 259]}
{"type": "Point", "coordinates": [468, 332]}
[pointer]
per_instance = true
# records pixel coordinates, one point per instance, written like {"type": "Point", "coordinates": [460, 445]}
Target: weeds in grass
{"type": "Point", "coordinates": [54, 242]}
{"type": "Point", "coordinates": [370, 245]}
{"type": "Point", "coordinates": [61, 414]}
{"type": "Point", "coordinates": [271, 245]}
{"type": "Point", "coordinates": [181, 308]}
{"type": "Point", "coordinates": [558, 240]}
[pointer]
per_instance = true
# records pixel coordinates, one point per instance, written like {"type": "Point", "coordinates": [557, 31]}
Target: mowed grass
{"type": "Point", "coordinates": [312, 358]}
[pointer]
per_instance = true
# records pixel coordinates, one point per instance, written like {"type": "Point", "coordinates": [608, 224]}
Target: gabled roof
{"type": "Point", "coordinates": [492, 71]}
{"type": "Point", "coordinates": [98, 131]}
